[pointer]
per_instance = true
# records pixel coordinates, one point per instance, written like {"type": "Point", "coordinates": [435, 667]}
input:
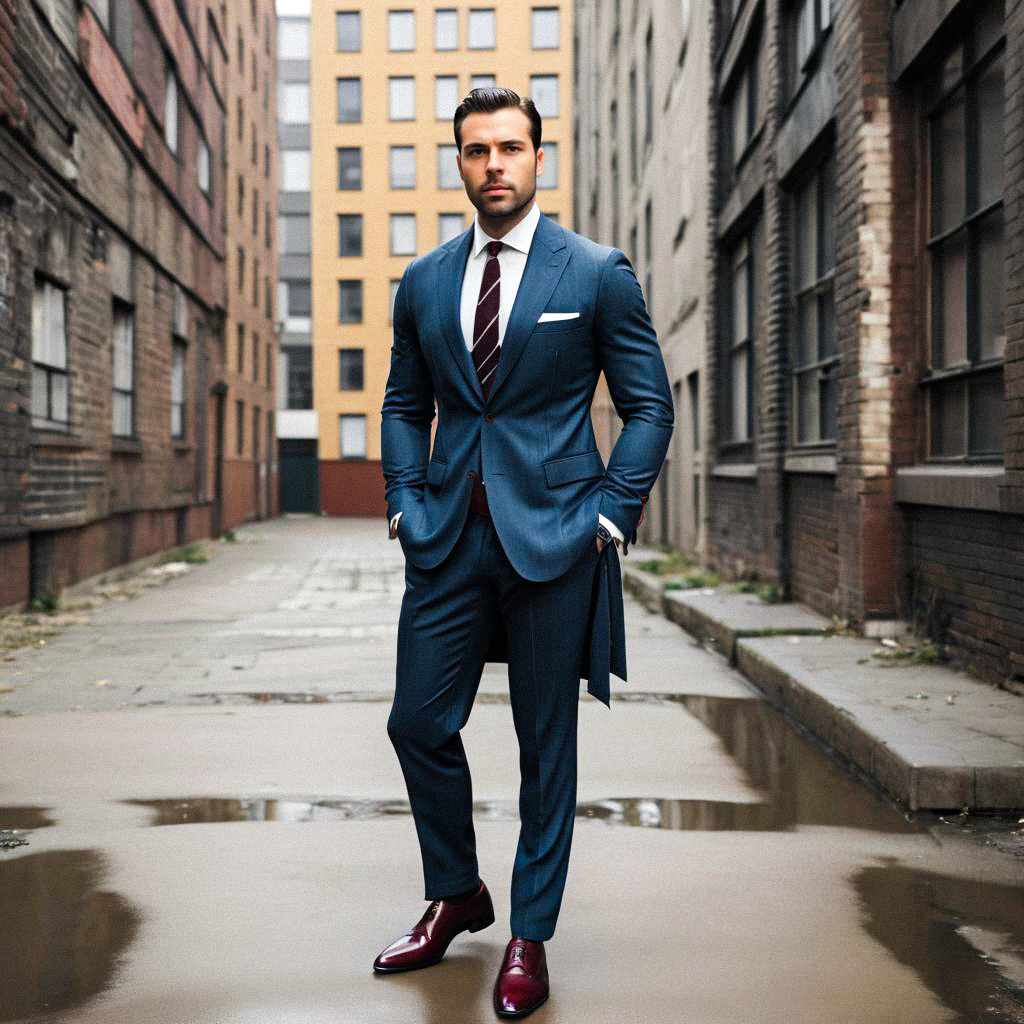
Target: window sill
{"type": "Point", "coordinates": [45, 438]}
{"type": "Point", "coordinates": [810, 462]}
{"type": "Point", "coordinates": [973, 487]}
{"type": "Point", "coordinates": [125, 446]}
{"type": "Point", "coordinates": [181, 447]}
{"type": "Point", "coordinates": [735, 471]}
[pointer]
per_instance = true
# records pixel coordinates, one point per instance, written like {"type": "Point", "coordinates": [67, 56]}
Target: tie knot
{"type": "Point", "coordinates": [494, 248]}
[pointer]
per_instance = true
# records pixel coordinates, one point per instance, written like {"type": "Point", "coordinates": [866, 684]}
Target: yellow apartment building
{"type": "Point", "coordinates": [385, 188]}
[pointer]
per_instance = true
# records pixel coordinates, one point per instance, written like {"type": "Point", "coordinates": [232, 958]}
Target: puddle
{"type": "Point", "coordinates": [62, 936]}
{"type": "Point", "coordinates": [963, 938]}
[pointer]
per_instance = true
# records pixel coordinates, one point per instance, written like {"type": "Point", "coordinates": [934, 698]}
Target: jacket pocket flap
{"type": "Point", "coordinates": [575, 467]}
{"type": "Point", "coordinates": [435, 472]}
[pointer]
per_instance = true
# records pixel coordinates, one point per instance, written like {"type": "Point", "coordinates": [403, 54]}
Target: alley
{"type": "Point", "coordinates": [724, 868]}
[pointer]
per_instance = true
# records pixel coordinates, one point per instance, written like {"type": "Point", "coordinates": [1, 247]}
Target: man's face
{"type": "Point", "coordinates": [498, 163]}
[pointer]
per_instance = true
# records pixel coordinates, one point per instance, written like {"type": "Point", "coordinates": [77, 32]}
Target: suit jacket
{"type": "Point", "coordinates": [532, 442]}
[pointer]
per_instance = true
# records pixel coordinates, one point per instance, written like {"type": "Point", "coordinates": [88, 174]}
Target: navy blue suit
{"type": "Point", "coordinates": [526, 584]}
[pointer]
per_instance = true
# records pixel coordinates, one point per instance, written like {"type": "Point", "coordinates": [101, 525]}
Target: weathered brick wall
{"type": "Point", "coordinates": [811, 541]}
{"type": "Point", "coordinates": [968, 585]}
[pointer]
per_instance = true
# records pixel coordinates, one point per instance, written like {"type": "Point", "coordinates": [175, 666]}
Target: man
{"type": "Point", "coordinates": [506, 524]}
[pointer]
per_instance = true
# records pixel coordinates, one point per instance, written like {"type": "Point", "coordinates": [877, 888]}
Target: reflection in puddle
{"type": "Point", "coordinates": [16, 821]}
{"type": "Point", "coordinates": [943, 928]}
{"type": "Point", "coordinates": [61, 935]}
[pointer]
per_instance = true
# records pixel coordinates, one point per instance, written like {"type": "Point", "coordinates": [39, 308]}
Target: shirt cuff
{"type": "Point", "coordinates": [609, 525]}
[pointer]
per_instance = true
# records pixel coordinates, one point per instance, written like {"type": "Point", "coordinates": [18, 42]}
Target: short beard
{"type": "Point", "coordinates": [512, 213]}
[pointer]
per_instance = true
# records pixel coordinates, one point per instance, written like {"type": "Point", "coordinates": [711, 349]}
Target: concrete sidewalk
{"type": "Point", "coordinates": [932, 737]}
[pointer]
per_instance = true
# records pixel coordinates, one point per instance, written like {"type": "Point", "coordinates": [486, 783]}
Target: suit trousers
{"type": "Point", "coordinates": [447, 617]}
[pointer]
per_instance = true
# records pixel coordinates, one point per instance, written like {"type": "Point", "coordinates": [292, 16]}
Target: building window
{"type": "Point", "coordinates": [353, 436]}
{"type": "Point", "coordinates": [257, 416]}
{"type": "Point", "coordinates": [350, 302]}
{"type": "Point", "coordinates": [545, 28]}
{"type": "Point", "coordinates": [446, 96]}
{"type": "Point", "coordinates": [171, 111]}
{"type": "Point", "coordinates": [350, 100]}
{"type": "Point", "coordinates": [815, 358]}
{"type": "Point", "coordinates": [293, 102]}
{"type": "Point", "coordinates": [123, 371]}
{"type": "Point", "coordinates": [239, 426]}
{"type": "Point", "coordinates": [49, 356]}
{"type": "Point", "coordinates": [295, 170]}
{"type": "Point", "coordinates": [739, 351]}
{"type": "Point", "coordinates": [296, 299]}
{"type": "Point", "coordinates": [350, 168]}
{"type": "Point", "coordinates": [648, 111]}
{"type": "Point", "coordinates": [240, 268]}
{"type": "Point", "coordinates": [403, 234]}
{"type": "Point", "coordinates": [255, 357]}
{"type": "Point", "coordinates": [393, 292]}
{"type": "Point", "coordinates": [548, 178]}
{"type": "Point", "coordinates": [544, 93]}
{"type": "Point", "coordinates": [446, 30]}
{"type": "Point", "coordinates": [240, 350]}
{"type": "Point", "coordinates": [649, 255]}
{"type": "Point", "coordinates": [966, 113]}
{"type": "Point", "coordinates": [240, 118]}
{"type": "Point", "coordinates": [350, 363]}
{"type": "Point", "coordinates": [482, 82]}
{"type": "Point", "coordinates": [350, 235]}
{"type": "Point", "coordinates": [742, 109]}
{"type": "Point", "coordinates": [403, 166]}
{"type": "Point", "coordinates": [401, 30]}
{"type": "Point", "coordinates": [402, 98]}
{"type": "Point", "coordinates": [449, 226]}
{"type": "Point", "coordinates": [293, 234]}
{"type": "Point", "coordinates": [349, 28]}
{"type": "Point", "coordinates": [481, 28]}
{"type": "Point", "coordinates": [806, 24]}
{"type": "Point", "coordinates": [298, 375]}
{"type": "Point", "coordinates": [293, 38]}
{"type": "Point", "coordinates": [203, 168]}
{"type": "Point", "coordinates": [447, 169]}
{"type": "Point", "coordinates": [178, 349]}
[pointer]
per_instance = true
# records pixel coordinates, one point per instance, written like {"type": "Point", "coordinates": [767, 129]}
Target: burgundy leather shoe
{"type": "Point", "coordinates": [522, 982]}
{"type": "Point", "coordinates": [429, 939]}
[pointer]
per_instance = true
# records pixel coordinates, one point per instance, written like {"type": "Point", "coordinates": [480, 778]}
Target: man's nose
{"type": "Point", "coordinates": [494, 160]}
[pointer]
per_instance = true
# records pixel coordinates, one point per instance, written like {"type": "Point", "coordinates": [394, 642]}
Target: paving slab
{"type": "Point", "coordinates": [935, 739]}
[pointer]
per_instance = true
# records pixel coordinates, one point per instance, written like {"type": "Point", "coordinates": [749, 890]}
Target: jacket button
{"type": "Point", "coordinates": [471, 475]}
{"type": "Point", "coordinates": [489, 418]}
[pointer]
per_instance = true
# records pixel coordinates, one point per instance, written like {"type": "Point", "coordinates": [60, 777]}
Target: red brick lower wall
{"type": "Point", "coordinates": [967, 571]}
{"type": "Point", "coordinates": [239, 493]}
{"type": "Point", "coordinates": [352, 487]}
{"type": "Point", "coordinates": [14, 575]}
{"type": "Point", "coordinates": [811, 540]}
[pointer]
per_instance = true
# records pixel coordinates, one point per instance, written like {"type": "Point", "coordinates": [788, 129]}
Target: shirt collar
{"type": "Point", "coordinates": [520, 237]}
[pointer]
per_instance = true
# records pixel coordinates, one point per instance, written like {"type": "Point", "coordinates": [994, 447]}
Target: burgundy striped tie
{"type": "Point", "coordinates": [486, 350]}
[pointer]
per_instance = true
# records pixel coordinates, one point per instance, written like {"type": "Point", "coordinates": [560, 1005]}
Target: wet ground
{"type": "Point", "coordinates": [724, 869]}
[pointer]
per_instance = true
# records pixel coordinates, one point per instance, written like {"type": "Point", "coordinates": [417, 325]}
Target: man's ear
{"type": "Point", "coordinates": [540, 161]}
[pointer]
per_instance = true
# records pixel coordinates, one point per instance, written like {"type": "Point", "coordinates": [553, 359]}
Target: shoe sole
{"type": "Point", "coordinates": [485, 920]}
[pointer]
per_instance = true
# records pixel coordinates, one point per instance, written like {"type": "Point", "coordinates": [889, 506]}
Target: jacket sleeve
{"type": "Point", "coordinates": [634, 369]}
{"type": "Point", "coordinates": [407, 410]}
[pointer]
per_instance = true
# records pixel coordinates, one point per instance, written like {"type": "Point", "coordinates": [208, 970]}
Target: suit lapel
{"type": "Point", "coordinates": [544, 265]}
{"type": "Point", "coordinates": [450, 272]}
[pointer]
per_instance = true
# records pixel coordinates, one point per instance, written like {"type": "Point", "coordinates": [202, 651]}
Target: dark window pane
{"type": "Point", "coordinates": [807, 406]}
{"type": "Point", "coordinates": [990, 123]}
{"type": "Point", "coordinates": [988, 413]}
{"type": "Point", "coordinates": [948, 166]}
{"type": "Point", "coordinates": [991, 286]}
{"type": "Point", "coordinates": [350, 168]}
{"type": "Point", "coordinates": [826, 325]}
{"type": "Point", "coordinates": [350, 309]}
{"type": "Point", "coordinates": [350, 100]}
{"type": "Point", "coordinates": [951, 304]}
{"type": "Point", "coordinates": [299, 373]}
{"type": "Point", "coordinates": [947, 415]}
{"type": "Point", "coordinates": [807, 234]}
{"type": "Point", "coordinates": [350, 361]}
{"type": "Point", "coordinates": [300, 298]}
{"type": "Point", "coordinates": [350, 234]}
{"type": "Point", "coordinates": [829, 403]}
{"type": "Point", "coordinates": [807, 331]}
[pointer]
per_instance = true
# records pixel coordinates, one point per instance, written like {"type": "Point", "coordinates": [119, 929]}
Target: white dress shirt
{"type": "Point", "coordinates": [512, 261]}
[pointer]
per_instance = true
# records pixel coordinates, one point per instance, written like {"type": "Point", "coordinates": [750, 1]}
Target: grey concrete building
{"type": "Point", "coordinates": [641, 165]}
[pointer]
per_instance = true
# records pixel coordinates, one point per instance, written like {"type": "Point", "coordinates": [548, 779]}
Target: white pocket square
{"type": "Point", "coordinates": [547, 317]}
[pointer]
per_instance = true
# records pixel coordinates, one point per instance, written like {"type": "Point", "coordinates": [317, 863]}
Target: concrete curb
{"type": "Point", "coordinates": [932, 738]}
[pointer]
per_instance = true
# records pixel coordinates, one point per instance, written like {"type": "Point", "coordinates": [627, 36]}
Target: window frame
{"type": "Point", "coordinates": [341, 80]}
{"type": "Point", "coordinates": [494, 28]}
{"type": "Point", "coordinates": [50, 372]}
{"type": "Point", "coordinates": [121, 311]}
{"type": "Point", "coordinates": [351, 351]}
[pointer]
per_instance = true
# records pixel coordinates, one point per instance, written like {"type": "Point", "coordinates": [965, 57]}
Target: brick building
{"type": "Point", "coordinates": [865, 357]}
{"type": "Point", "coordinates": [112, 284]}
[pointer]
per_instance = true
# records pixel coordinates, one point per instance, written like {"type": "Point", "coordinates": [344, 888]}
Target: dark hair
{"type": "Point", "coordinates": [491, 98]}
